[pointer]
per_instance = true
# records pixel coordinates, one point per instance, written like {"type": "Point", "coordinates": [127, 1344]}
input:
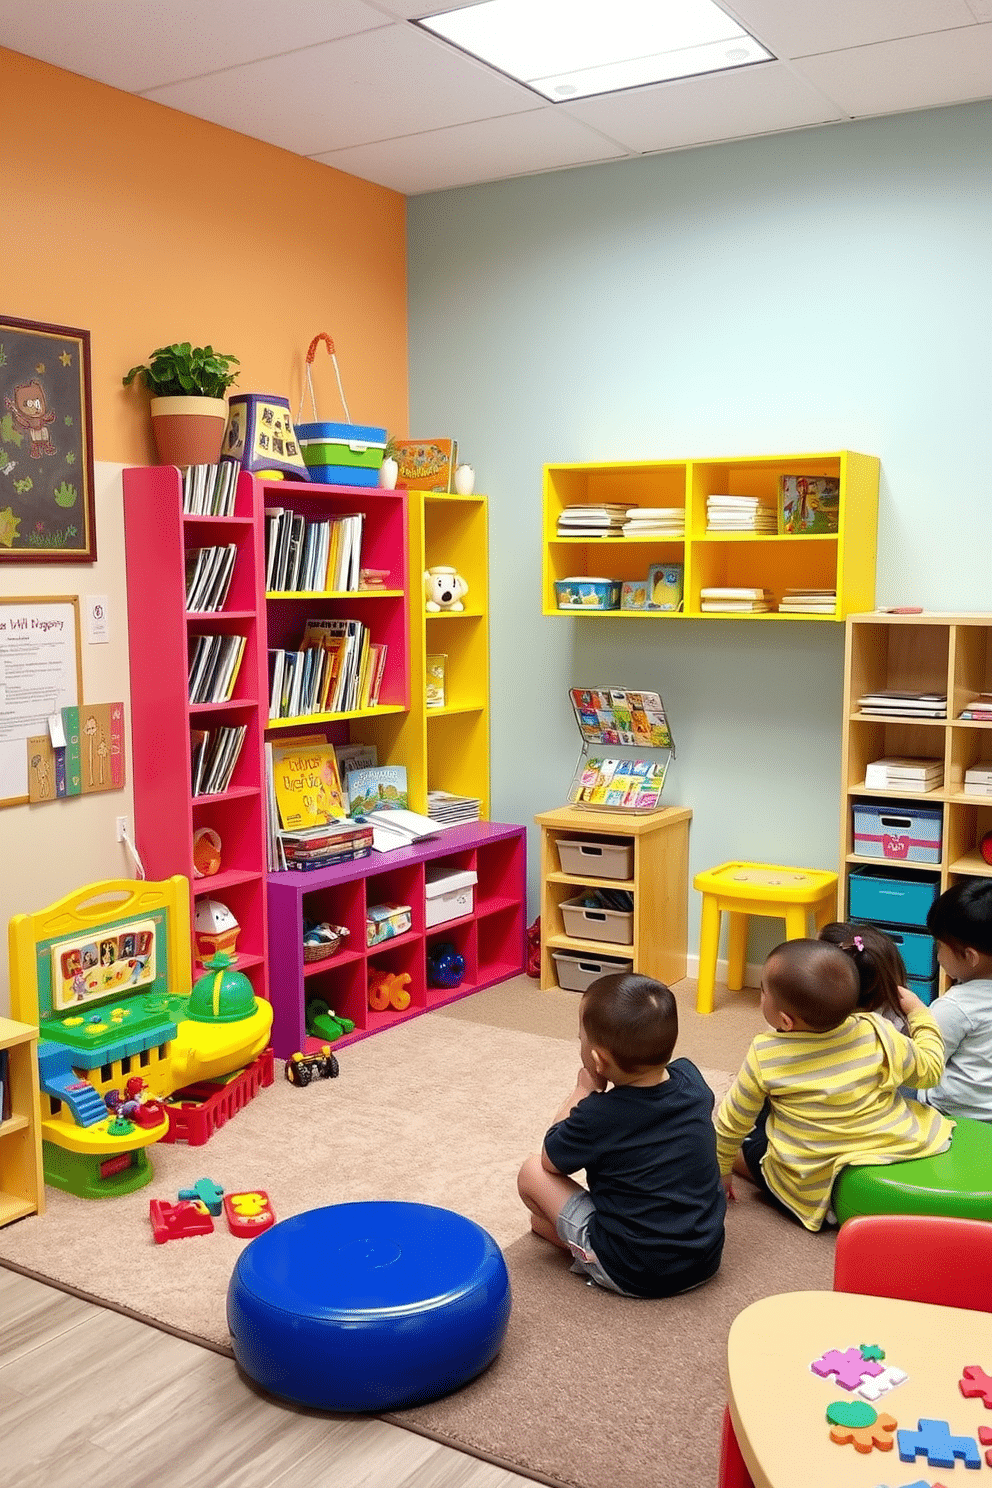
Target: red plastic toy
{"type": "Point", "coordinates": [388, 989]}
{"type": "Point", "coordinates": [248, 1213]}
{"type": "Point", "coordinates": [178, 1221]}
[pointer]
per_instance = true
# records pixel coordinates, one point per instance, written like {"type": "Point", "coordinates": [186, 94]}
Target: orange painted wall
{"type": "Point", "coordinates": [145, 226]}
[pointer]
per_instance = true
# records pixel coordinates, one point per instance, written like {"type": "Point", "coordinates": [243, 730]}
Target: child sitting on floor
{"type": "Point", "coordinates": [821, 1088]}
{"type": "Point", "coordinates": [881, 970]}
{"type": "Point", "coordinates": [651, 1222]}
{"type": "Point", "coordinates": [960, 921]}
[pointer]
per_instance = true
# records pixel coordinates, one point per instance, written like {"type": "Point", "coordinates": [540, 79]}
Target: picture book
{"type": "Point", "coordinates": [436, 668]}
{"type": "Point", "coordinates": [353, 757]}
{"type": "Point", "coordinates": [307, 785]}
{"type": "Point", "coordinates": [426, 464]}
{"type": "Point", "coordinates": [379, 788]}
{"type": "Point", "coordinates": [620, 716]}
{"type": "Point", "coordinates": [808, 503]}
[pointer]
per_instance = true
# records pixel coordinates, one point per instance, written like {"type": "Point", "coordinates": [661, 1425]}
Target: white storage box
{"type": "Point", "coordinates": [604, 858]}
{"type": "Point", "coordinates": [576, 973]}
{"type": "Point", "coordinates": [449, 896]}
{"type": "Point", "coordinates": [597, 924]}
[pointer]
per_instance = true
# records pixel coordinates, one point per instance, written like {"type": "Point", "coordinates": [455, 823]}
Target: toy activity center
{"type": "Point", "coordinates": [724, 535]}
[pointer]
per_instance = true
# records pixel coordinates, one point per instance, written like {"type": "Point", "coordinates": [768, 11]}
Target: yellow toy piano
{"type": "Point", "coordinates": [105, 975]}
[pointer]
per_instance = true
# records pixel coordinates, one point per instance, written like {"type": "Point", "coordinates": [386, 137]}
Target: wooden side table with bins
{"type": "Point", "coordinates": [649, 855]}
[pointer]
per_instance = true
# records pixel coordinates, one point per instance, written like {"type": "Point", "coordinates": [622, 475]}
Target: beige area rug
{"type": "Point", "coordinates": [590, 1389]}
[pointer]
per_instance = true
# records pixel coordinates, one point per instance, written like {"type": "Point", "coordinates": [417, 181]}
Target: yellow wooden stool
{"type": "Point", "coordinates": [744, 889]}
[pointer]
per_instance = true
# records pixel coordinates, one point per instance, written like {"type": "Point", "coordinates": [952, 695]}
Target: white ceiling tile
{"type": "Point", "coordinates": [375, 86]}
{"type": "Point", "coordinates": [797, 28]}
{"type": "Point", "coordinates": [517, 144]}
{"type": "Point", "coordinates": [140, 44]}
{"type": "Point", "coordinates": [693, 111]}
{"type": "Point", "coordinates": [915, 73]}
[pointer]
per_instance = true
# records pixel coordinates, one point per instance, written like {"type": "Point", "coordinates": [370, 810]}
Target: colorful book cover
{"type": "Point", "coordinates": [426, 464]}
{"type": "Point", "coordinates": [808, 503]}
{"type": "Point", "coordinates": [307, 784]}
{"type": "Point", "coordinates": [60, 777]}
{"type": "Point", "coordinates": [640, 775]}
{"type": "Point", "coordinates": [41, 769]}
{"type": "Point", "coordinates": [620, 785]}
{"type": "Point", "coordinates": [73, 772]}
{"type": "Point", "coordinates": [379, 788]}
{"type": "Point", "coordinates": [597, 796]}
{"type": "Point", "coordinates": [101, 747]}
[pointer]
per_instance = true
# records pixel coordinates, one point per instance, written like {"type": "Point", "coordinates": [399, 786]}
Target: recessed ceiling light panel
{"type": "Point", "coordinates": [576, 48]}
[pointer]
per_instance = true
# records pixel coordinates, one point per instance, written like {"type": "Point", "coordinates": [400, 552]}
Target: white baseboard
{"type": "Point", "coordinates": [752, 973]}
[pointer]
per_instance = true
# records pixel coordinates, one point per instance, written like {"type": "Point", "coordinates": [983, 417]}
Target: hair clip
{"type": "Point", "coordinates": [859, 944]}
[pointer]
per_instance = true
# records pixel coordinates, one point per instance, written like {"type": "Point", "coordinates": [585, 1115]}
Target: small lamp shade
{"type": "Point", "coordinates": [261, 437]}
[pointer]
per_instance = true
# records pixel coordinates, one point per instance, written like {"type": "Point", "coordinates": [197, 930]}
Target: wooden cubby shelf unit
{"type": "Point", "coordinates": [844, 561]}
{"type": "Point", "coordinates": [928, 652]}
{"type": "Point", "coordinates": [491, 938]}
{"type": "Point", "coordinates": [22, 1187]}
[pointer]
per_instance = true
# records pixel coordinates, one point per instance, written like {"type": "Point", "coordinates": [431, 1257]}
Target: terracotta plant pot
{"type": "Point", "coordinates": [189, 431]}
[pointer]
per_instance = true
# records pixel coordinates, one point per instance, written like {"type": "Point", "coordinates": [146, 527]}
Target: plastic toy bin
{"type": "Point", "coordinates": [449, 896]}
{"type": "Point", "coordinates": [597, 924]}
{"type": "Point", "coordinates": [886, 898]}
{"type": "Point", "coordinates": [576, 973]}
{"type": "Point", "coordinates": [918, 952]}
{"type": "Point", "coordinates": [901, 835]}
{"type": "Point", "coordinates": [604, 858]}
{"type": "Point", "coordinates": [342, 454]}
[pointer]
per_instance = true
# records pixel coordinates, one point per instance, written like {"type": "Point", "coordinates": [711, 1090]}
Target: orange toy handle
{"type": "Point", "coordinates": [311, 353]}
{"type": "Point", "coordinates": [312, 348]}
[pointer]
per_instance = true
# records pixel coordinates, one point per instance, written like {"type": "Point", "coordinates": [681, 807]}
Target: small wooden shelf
{"type": "Point", "coordinates": [22, 1186]}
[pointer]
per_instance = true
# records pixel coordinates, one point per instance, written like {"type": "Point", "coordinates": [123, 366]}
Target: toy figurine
{"type": "Point", "coordinates": [443, 589]}
{"type": "Point", "coordinates": [388, 989]}
{"type": "Point", "coordinates": [445, 965]}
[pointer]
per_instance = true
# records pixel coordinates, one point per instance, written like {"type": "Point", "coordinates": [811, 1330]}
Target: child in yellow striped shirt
{"type": "Point", "coordinates": [820, 1089]}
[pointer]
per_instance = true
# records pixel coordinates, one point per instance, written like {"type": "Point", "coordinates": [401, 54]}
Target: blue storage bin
{"type": "Point", "coordinates": [907, 834]}
{"type": "Point", "coordinates": [919, 952]}
{"type": "Point", "coordinates": [924, 987]}
{"type": "Point", "coordinates": [343, 475]}
{"type": "Point", "coordinates": [583, 593]}
{"type": "Point", "coordinates": [886, 898]}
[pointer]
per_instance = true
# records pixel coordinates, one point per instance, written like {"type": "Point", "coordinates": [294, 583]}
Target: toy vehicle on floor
{"type": "Point", "coordinates": [302, 1068]}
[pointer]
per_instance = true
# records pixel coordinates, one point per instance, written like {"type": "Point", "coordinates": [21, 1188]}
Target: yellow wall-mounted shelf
{"type": "Point", "coordinates": [844, 561]}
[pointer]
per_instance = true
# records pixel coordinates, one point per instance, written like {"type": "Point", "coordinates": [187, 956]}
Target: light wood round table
{"type": "Point", "coordinates": [778, 1405]}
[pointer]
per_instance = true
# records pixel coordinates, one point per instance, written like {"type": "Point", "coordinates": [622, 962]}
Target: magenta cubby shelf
{"type": "Point", "coordinates": [491, 937]}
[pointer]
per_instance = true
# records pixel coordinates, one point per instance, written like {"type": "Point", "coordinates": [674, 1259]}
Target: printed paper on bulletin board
{"type": "Point", "coordinates": [40, 673]}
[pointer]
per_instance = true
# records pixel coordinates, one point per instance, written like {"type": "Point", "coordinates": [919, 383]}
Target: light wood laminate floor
{"type": "Point", "coordinates": [87, 1394]}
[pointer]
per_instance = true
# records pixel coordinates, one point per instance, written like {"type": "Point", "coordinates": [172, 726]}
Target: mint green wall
{"type": "Point", "coordinates": [817, 290]}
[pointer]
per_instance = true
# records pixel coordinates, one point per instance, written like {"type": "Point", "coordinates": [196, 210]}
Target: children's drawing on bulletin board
{"type": "Point", "coordinates": [85, 756]}
{"type": "Point", "coordinates": [40, 674]}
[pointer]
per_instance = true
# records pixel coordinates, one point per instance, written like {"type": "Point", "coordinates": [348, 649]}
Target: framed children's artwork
{"type": "Point", "coordinates": [46, 444]}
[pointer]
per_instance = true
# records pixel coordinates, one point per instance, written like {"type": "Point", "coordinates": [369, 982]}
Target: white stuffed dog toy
{"type": "Point", "coordinates": [444, 588]}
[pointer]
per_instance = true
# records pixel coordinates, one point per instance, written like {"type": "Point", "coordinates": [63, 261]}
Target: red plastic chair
{"type": "Point", "coordinates": [733, 1468]}
{"type": "Point", "coordinates": [918, 1257]}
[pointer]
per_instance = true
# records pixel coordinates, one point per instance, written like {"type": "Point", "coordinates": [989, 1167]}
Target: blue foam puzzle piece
{"type": "Point", "coordinates": [934, 1440]}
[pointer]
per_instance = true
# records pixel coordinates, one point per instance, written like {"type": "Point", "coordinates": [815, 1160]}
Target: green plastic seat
{"type": "Point", "coordinates": [956, 1183]}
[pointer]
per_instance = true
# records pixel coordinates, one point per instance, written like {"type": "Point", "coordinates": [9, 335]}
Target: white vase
{"type": "Point", "coordinates": [464, 480]}
{"type": "Point", "coordinates": [388, 472]}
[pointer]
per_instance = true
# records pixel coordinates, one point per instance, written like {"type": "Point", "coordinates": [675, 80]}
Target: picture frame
{"type": "Point", "coordinates": [47, 509]}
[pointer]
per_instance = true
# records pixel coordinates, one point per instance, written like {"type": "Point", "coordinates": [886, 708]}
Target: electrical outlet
{"type": "Point", "coordinates": [123, 830]}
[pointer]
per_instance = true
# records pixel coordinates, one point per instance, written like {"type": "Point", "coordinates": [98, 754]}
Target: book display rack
{"type": "Point", "coordinates": [726, 528]}
{"type": "Point", "coordinates": [632, 747]}
{"type": "Point", "coordinates": [914, 723]}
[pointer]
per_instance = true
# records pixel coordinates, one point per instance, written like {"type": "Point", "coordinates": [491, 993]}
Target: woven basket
{"type": "Point", "coordinates": [325, 948]}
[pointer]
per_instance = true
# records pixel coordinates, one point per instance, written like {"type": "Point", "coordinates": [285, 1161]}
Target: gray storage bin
{"type": "Point", "coordinates": [597, 924]}
{"type": "Point", "coordinates": [601, 858]}
{"type": "Point", "coordinates": [575, 973]}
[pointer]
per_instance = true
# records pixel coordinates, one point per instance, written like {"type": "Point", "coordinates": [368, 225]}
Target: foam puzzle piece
{"type": "Point", "coordinates": [854, 1421]}
{"type": "Point", "coordinates": [890, 1377]}
{"type": "Point", "coordinates": [207, 1191]}
{"type": "Point", "coordinates": [920, 1483]}
{"type": "Point", "coordinates": [975, 1382]}
{"type": "Point", "coordinates": [848, 1367]}
{"type": "Point", "coordinates": [985, 1437]}
{"type": "Point", "coordinates": [871, 1351]}
{"type": "Point", "coordinates": [934, 1440]}
{"type": "Point", "coordinates": [178, 1221]}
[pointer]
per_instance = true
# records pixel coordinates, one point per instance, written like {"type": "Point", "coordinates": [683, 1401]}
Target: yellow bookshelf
{"type": "Point", "coordinates": [844, 560]}
{"type": "Point", "coordinates": [22, 1187]}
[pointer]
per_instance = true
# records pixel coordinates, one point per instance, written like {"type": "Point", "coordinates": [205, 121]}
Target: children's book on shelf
{"type": "Point", "coordinates": [436, 669]}
{"type": "Point", "coordinates": [306, 783]}
{"type": "Point", "coordinates": [808, 504]}
{"type": "Point", "coordinates": [426, 464]}
{"type": "Point", "coordinates": [377, 788]}
{"type": "Point", "coordinates": [622, 723]}
{"type": "Point", "coordinates": [353, 757]}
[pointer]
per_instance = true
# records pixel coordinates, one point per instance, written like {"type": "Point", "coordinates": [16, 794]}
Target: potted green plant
{"type": "Point", "coordinates": [189, 410]}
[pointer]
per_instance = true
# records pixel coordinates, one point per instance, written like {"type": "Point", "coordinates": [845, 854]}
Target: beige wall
{"type": "Point", "coordinates": [144, 226]}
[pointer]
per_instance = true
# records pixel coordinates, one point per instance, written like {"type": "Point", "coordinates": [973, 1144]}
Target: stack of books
{"type": "Point", "coordinates": [213, 667]}
{"type": "Point", "coordinates": [323, 846]}
{"type": "Point", "coordinates": [213, 755]}
{"type": "Point", "coordinates": [979, 710]}
{"type": "Point", "coordinates": [655, 521]}
{"type": "Point", "coordinates": [209, 490]}
{"type": "Point", "coordinates": [808, 602]}
{"type": "Point", "coordinates": [633, 784]}
{"type": "Point", "coordinates": [448, 809]}
{"type": "Point", "coordinates": [605, 520]}
{"type": "Point", "coordinates": [208, 577]}
{"type": "Point", "coordinates": [308, 557]}
{"type": "Point", "coordinates": [735, 601]}
{"type": "Point", "coordinates": [895, 702]}
{"type": "Point", "coordinates": [978, 781]}
{"type": "Point", "coordinates": [740, 514]}
{"type": "Point", "coordinates": [903, 774]}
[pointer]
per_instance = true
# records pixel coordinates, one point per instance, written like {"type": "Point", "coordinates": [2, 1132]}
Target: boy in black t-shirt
{"type": "Point", "coordinates": [651, 1222]}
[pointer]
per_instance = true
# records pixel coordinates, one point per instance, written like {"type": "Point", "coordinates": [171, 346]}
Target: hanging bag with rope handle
{"type": "Point", "coordinates": [338, 454]}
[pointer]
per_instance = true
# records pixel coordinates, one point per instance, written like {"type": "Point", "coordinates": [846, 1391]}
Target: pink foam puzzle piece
{"type": "Point", "coordinates": [848, 1367]}
{"type": "Point", "coordinates": [975, 1382]}
{"type": "Point", "coordinates": [985, 1437]}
